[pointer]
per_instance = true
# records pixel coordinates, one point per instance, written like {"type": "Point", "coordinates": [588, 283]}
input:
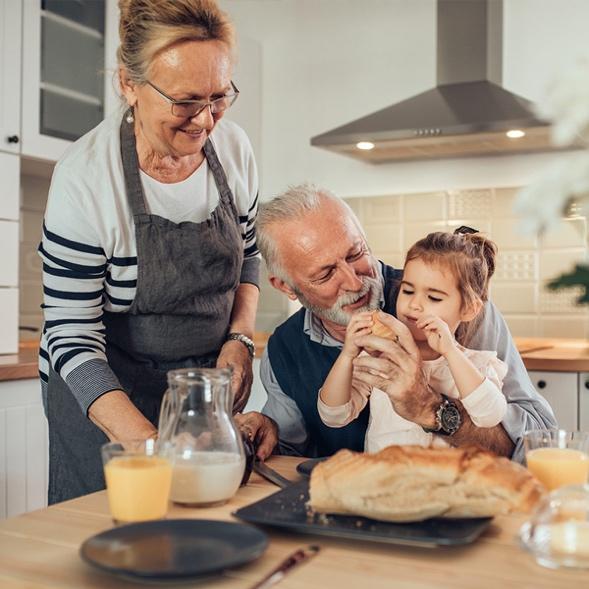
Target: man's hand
{"type": "Point", "coordinates": [235, 355]}
{"type": "Point", "coordinates": [394, 366]}
{"type": "Point", "coordinates": [261, 430]}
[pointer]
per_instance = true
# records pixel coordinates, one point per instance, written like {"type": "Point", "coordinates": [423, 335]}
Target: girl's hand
{"type": "Point", "coordinates": [439, 337]}
{"type": "Point", "coordinates": [360, 324]}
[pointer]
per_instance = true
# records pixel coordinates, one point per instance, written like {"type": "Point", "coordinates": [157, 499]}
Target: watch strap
{"type": "Point", "coordinates": [445, 426]}
{"type": "Point", "coordinates": [245, 340]}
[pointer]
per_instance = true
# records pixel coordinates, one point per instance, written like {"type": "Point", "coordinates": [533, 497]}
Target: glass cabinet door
{"type": "Point", "coordinates": [63, 73]}
{"type": "Point", "coordinates": [72, 67]}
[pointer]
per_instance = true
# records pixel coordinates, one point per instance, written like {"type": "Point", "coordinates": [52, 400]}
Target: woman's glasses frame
{"type": "Point", "coordinates": [192, 108]}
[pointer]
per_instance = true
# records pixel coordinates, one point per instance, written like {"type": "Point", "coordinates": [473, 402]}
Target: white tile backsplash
{"type": "Point", "coordinates": [555, 262]}
{"type": "Point", "coordinates": [506, 235]}
{"type": "Point", "coordinates": [524, 264]}
{"type": "Point", "coordinates": [516, 266]}
{"type": "Point", "coordinates": [515, 298]}
{"type": "Point", "coordinates": [470, 204]}
{"type": "Point", "coordinates": [422, 207]}
{"type": "Point", "coordinates": [570, 233]}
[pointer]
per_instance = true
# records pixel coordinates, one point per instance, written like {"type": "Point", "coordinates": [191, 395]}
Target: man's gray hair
{"type": "Point", "coordinates": [294, 203]}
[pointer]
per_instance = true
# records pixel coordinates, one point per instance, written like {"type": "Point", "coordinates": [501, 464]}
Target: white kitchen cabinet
{"type": "Point", "coordinates": [10, 178]}
{"type": "Point", "coordinates": [8, 320]}
{"type": "Point", "coordinates": [63, 73]}
{"type": "Point", "coordinates": [10, 63]}
{"type": "Point", "coordinates": [23, 448]}
{"type": "Point", "coordinates": [561, 390]}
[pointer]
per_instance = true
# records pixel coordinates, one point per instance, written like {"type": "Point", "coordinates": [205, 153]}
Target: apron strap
{"type": "Point", "coordinates": [225, 194]}
{"type": "Point", "coordinates": [131, 169]}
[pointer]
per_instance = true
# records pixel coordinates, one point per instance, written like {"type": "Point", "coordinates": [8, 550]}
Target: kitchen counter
{"type": "Point", "coordinates": [25, 364]}
{"type": "Point", "coordinates": [552, 354]}
{"type": "Point", "coordinates": [40, 549]}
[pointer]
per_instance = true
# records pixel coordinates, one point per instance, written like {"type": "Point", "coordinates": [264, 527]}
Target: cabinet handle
{"type": "Point", "coordinates": [541, 384]}
{"type": "Point", "coordinates": [587, 384]}
{"type": "Point", "coordinates": [12, 139]}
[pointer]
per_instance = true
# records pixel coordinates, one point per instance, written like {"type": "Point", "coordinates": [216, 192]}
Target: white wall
{"type": "Point", "coordinates": [327, 62]}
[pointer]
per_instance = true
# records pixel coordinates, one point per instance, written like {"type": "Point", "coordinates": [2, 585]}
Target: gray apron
{"type": "Point", "coordinates": [187, 275]}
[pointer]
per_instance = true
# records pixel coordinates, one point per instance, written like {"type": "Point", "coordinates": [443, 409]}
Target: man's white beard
{"type": "Point", "coordinates": [336, 314]}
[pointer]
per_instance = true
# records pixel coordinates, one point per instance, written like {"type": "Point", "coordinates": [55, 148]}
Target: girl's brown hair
{"type": "Point", "coordinates": [148, 26]}
{"type": "Point", "coordinates": [471, 259]}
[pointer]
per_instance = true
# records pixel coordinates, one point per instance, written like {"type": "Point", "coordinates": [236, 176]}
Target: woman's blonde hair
{"type": "Point", "coordinates": [471, 259]}
{"type": "Point", "coordinates": [148, 26]}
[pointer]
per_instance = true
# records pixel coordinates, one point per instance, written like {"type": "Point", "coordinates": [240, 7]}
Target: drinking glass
{"type": "Point", "coordinates": [558, 457]}
{"type": "Point", "coordinates": [558, 531]}
{"type": "Point", "coordinates": [138, 476]}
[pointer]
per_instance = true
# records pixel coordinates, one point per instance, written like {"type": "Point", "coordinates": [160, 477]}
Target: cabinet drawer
{"type": "Point", "coordinates": [560, 389]}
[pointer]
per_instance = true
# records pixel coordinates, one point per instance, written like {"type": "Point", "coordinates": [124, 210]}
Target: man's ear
{"type": "Point", "coordinates": [127, 87]}
{"type": "Point", "coordinates": [470, 312]}
{"type": "Point", "coordinates": [282, 286]}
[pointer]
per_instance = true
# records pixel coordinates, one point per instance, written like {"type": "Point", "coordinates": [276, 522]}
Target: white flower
{"type": "Point", "coordinates": [542, 204]}
{"type": "Point", "coordinates": [567, 105]}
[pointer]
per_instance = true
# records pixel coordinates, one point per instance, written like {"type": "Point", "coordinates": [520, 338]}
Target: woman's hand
{"type": "Point", "coordinates": [236, 356]}
{"type": "Point", "coordinates": [438, 334]}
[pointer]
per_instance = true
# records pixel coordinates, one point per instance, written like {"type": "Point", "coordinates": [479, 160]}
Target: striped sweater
{"type": "Point", "coordinates": [89, 251]}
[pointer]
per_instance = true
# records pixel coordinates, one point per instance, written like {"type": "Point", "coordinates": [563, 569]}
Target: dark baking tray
{"type": "Point", "coordinates": [286, 509]}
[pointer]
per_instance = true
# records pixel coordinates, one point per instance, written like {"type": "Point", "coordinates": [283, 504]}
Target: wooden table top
{"type": "Point", "coordinates": [40, 549]}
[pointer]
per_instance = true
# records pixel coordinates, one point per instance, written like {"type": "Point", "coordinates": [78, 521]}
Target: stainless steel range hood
{"type": "Point", "coordinates": [468, 113]}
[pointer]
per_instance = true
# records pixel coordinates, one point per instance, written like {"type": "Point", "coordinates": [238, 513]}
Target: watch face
{"type": "Point", "coordinates": [450, 418]}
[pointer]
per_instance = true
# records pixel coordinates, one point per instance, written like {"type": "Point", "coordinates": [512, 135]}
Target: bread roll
{"type": "Point", "coordinates": [411, 483]}
{"type": "Point", "coordinates": [380, 328]}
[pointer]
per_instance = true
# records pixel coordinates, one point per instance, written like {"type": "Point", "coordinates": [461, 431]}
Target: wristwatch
{"type": "Point", "coordinates": [448, 418]}
{"type": "Point", "coordinates": [245, 340]}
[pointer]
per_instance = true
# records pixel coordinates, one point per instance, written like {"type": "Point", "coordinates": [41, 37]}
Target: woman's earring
{"type": "Point", "coordinates": [130, 118]}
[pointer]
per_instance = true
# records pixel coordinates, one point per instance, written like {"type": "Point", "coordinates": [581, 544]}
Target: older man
{"type": "Point", "coordinates": [316, 252]}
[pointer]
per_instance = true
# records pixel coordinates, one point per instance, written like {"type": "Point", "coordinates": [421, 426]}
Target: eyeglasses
{"type": "Point", "coordinates": [191, 108]}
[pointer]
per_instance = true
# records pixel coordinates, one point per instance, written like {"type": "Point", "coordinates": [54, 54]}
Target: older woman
{"type": "Point", "coordinates": [149, 254]}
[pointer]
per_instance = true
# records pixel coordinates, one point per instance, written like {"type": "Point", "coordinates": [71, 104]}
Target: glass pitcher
{"type": "Point", "coordinates": [195, 416]}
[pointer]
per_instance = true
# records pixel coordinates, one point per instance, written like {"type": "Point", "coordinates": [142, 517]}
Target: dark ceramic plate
{"type": "Point", "coordinates": [286, 509]}
{"type": "Point", "coordinates": [170, 549]}
{"type": "Point", "coordinates": [307, 466]}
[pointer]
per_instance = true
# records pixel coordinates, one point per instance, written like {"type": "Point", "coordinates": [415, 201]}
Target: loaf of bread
{"type": "Point", "coordinates": [380, 328]}
{"type": "Point", "coordinates": [411, 483]}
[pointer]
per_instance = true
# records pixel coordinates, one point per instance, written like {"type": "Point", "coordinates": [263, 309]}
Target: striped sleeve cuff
{"type": "Point", "coordinates": [250, 271]}
{"type": "Point", "coordinates": [90, 380]}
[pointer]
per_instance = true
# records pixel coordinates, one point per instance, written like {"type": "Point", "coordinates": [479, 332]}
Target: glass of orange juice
{"type": "Point", "coordinates": [558, 457]}
{"type": "Point", "coordinates": [138, 477]}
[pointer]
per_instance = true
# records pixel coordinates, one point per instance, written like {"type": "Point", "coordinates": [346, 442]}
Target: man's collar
{"type": "Point", "coordinates": [317, 333]}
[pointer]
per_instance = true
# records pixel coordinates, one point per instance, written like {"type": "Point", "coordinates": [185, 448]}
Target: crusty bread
{"type": "Point", "coordinates": [411, 483]}
{"type": "Point", "coordinates": [380, 328]}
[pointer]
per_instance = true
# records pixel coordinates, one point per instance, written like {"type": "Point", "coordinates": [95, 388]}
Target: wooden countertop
{"type": "Point", "coordinates": [40, 549]}
{"type": "Point", "coordinates": [551, 354]}
{"type": "Point", "coordinates": [25, 364]}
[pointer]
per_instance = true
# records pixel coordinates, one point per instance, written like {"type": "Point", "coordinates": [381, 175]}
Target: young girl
{"type": "Point", "coordinates": [442, 293]}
